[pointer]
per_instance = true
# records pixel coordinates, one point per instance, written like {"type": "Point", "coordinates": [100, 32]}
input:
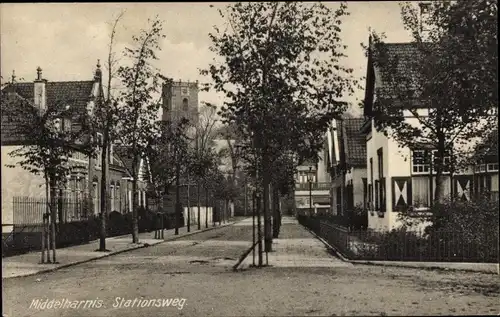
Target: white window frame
{"type": "Point", "coordinates": [492, 167]}
{"type": "Point", "coordinates": [424, 169]}
{"type": "Point", "coordinates": [480, 168]}
{"type": "Point", "coordinates": [419, 169]}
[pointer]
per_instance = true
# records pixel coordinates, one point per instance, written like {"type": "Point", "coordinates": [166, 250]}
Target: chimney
{"type": "Point", "coordinates": [40, 94]}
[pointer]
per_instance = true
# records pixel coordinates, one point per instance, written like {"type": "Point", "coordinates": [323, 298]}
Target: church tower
{"type": "Point", "coordinates": [180, 100]}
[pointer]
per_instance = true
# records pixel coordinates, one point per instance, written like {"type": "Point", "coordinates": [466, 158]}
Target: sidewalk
{"type": "Point", "coordinates": [296, 247]}
{"type": "Point", "coordinates": [300, 247]}
{"type": "Point", "coordinates": [29, 263]}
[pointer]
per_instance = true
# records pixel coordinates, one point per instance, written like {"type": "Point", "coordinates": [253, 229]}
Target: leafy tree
{"type": "Point", "coordinates": [50, 140]}
{"type": "Point", "coordinates": [105, 118]}
{"type": "Point", "coordinates": [202, 154]}
{"type": "Point", "coordinates": [282, 74]}
{"type": "Point", "coordinates": [163, 153]}
{"type": "Point", "coordinates": [138, 111]}
{"type": "Point", "coordinates": [449, 83]}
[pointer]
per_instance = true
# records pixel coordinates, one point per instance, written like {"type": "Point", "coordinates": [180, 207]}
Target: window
{"type": "Point", "coordinates": [481, 168]}
{"type": "Point", "coordinates": [380, 158]}
{"type": "Point", "coordinates": [447, 161]}
{"type": "Point", "coordinates": [185, 104]}
{"type": "Point", "coordinates": [420, 162]}
{"type": "Point", "coordinates": [365, 193]}
{"type": "Point", "coordinates": [420, 191]}
{"type": "Point", "coordinates": [492, 167]}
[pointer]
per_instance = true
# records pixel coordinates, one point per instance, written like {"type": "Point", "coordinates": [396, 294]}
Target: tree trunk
{"type": "Point", "coordinates": [188, 207]}
{"type": "Point", "coordinates": [53, 218]}
{"type": "Point", "coordinates": [104, 191]}
{"type": "Point", "coordinates": [276, 213]}
{"type": "Point", "coordinates": [268, 239]}
{"type": "Point", "coordinates": [439, 163]}
{"type": "Point", "coordinates": [135, 220]}
{"type": "Point", "coordinates": [259, 228]}
{"type": "Point", "coordinates": [45, 220]}
{"type": "Point", "coordinates": [198, 198]}
{"type": "Point", "coordinates": [206, 208]}
{"type": "Point", "coordinates": [177, 197]}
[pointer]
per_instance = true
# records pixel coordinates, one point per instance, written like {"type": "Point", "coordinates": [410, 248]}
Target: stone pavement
{"type": "Point", "coordinates": [296, 247]}
{"type": "Point", "coordinates": [29, 263]}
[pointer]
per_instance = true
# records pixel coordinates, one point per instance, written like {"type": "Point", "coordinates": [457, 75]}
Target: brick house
{"type": "Point", "coordinates": [84, 179]}
{"type": "Point", "coordinates": [347, 165]}
{"type": "Point", "coordinates": [399, 178]}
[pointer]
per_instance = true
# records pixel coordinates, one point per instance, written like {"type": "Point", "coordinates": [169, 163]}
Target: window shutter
{"type": "Point", "coordinates": [401, 193]}
{"type": "Point", "coordinates": [382, 195]}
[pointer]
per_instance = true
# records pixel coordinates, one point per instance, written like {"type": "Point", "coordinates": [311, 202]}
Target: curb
{"type": "Point", "coordinates": [429, 268]}
{"type": "Point", "coordinates": [105, 255]}
{"type": "Point", "coordinates": [402, 265]}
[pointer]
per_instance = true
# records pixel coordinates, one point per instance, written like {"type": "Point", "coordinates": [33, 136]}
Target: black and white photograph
{"type": "Point", "coordinates": [294, 158]}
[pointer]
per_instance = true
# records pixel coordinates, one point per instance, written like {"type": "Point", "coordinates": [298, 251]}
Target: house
{"type": "Point", "coordinates": [401, 178]}
{"type": "Point", "coordinates": [347, 165]}
{"type": "Point", "coordinates": [23, 193]}
{"type": "Point", "coordinates": [121, 189]}
{"type": "Point", "coordinates": [312, 186]}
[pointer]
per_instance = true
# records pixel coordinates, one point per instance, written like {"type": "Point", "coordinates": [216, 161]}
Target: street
{"type": "Point", "coordinates": [198, 269]}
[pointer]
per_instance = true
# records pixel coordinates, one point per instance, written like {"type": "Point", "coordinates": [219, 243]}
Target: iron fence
{"type": "Point", "coordinates": [402, 245]}
{"type": "Point", "coordinates": [30, 210]}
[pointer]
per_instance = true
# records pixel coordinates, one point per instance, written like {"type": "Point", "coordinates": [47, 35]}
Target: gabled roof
{"type": "Point", "coordinates": [74, 93]}
{"type": "Point", "coordinates": [403, 53]}
{"type": "Point", "coordinates": [354, 142]}
{"type": "Point", "coordinates": [9, 131]}
{"type": "Point", "coordinates": [77, 93]}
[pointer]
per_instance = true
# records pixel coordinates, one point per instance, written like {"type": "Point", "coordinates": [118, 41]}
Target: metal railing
{"type": "Point", "coordinates": [30, 210]}
{"type": "Point", "coordinates": [401, 245]}
{"type": "Point", "coordinates": [314, 186]}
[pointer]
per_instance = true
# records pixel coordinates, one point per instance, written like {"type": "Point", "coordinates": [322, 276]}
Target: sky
{"type": "Point", "coordinates": [67, 39]}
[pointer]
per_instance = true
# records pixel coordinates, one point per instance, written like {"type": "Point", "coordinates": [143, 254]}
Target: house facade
{"type": "Point", "coordinates": [347, 165]}
{"type": "Point", "coordinates": [400, 178]}
{"type": "Point", "coordinates": [312, 186]}
{"type": "Point", "coordinates": [22, 190]}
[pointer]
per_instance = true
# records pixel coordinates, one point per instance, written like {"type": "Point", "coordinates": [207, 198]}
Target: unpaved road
{"type": "Point", "coordinates": [198, 269]}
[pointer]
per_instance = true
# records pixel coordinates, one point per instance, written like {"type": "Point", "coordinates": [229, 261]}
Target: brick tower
{"type": "Point", "coordinates": [180, 99]}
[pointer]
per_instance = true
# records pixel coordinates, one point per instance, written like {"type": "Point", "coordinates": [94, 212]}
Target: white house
{"type": "Point", "coordinates": [399, 178]}
{"type": "Point", "coordinates": [347, 165]}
